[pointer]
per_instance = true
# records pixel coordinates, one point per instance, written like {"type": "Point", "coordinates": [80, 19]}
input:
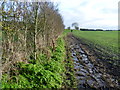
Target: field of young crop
{"type": "Point", "coordinates": [104, 43]}
{"type": "Point", "coordinates": [108, 39]}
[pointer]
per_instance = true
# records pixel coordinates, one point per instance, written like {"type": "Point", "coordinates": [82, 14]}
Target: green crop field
{"type": "Point", "coordinates": [105, 43]}
{"type": "Point", "coordinates": [107, 39]}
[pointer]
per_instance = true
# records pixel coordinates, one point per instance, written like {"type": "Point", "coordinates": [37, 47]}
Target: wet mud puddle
{"type": "Point", "coordinates": [87, 74]}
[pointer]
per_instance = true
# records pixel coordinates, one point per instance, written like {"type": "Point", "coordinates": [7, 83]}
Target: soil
{"type": "Point", "coordinates": [90, 71]}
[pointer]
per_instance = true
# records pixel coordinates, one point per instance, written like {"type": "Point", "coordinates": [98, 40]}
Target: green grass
{"type": "Point", "coordinates": [106, 39]}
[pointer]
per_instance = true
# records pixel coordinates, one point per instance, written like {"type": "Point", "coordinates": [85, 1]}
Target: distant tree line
{"type": "Point", "coordinates": [76, 27]}
{"type": "Point", "coordinates": [84, 29]}
{"type": "Point", "coordinates": [95, 30]}
{"type": "Point", "coordinates": [91, 29]}
{"type": "Point", "coordinates": [28, 28]}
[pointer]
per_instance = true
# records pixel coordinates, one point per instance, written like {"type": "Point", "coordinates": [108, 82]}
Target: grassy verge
{"type": "Point", "coordinates": [70, 80]}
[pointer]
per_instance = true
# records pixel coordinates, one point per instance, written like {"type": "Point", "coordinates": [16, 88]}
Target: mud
{"type": "Point", "coordinates": [89, 72]}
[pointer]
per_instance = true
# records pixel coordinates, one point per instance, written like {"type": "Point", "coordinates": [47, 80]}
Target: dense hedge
{"type": "Point", "coordinates": [30, 57]}
{"type": "Point", "coordinates": [28, 29]}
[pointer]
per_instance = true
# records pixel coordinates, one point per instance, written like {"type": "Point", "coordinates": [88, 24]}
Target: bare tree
{"type": "Point", "coordinates": [75, 25]}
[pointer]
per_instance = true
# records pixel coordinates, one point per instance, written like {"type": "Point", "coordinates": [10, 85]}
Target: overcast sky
{"type": "Point", "coordinates": [101, 14]}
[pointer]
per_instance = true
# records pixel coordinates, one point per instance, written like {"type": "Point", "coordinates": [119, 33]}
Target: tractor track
{"type": "Point", "coordinates": [89, 71]}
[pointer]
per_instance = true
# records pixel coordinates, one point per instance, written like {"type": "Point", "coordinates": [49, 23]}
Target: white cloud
{"type": "Point", "coordinates": [90, 13]}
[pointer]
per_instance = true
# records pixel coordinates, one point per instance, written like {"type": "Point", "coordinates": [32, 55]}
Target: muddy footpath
{"type": "Point", "coordinates": [90, 73]}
